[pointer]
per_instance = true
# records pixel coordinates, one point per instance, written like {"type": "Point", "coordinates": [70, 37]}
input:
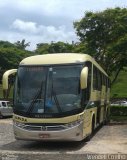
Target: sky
{"type": "Point", "coordinates": [43, 21]}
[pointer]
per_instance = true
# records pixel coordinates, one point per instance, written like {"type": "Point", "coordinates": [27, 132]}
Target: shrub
{"type": "Point", "coordinates": [118, 110]}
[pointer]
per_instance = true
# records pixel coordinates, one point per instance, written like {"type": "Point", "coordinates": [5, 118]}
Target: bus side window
{"type": "Point", "coordinates": [109, 83]}
{"type": "Point", "coordinates": [103, 80]}
{"type": "Point", "coordinates": [89, 65]}
{"type": "Point", "coordinates": [95, 84]}
{"type": "Point", "coordinates": [106, 84]}
{"type": "Point", "coordinates": [99, 80]}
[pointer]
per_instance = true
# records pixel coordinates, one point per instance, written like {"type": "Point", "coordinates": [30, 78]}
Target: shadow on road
{"type": "Point", "coordinates": [43, 146]}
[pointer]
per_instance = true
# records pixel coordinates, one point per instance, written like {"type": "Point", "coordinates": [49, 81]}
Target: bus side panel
{"type": "Point", "coordinates": [88, 115]}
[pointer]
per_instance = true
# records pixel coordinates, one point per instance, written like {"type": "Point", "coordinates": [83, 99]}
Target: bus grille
{"type": "Point", "coordinates": [43, 128]}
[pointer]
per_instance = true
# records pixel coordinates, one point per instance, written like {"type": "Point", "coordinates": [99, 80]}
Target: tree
{"type": "Point", "coordinates": [42, 48]}
{"type": "Point", "coordinates": [10, 56]}
{"type": "Point", "coordinates": [22, 44]}
{"type": "Point", "coordinates": [104, 35]}
{"type": "Point", "coordinates": [54, 47]}
{"type": "Point", "coordinates": [6, 44]}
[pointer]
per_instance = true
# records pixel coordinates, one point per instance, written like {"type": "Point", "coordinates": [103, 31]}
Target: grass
{"type": "Point", "coordinates": [119, 88]}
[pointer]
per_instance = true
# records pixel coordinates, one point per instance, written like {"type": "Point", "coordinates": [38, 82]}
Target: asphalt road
{"type": "Point", "coordinates": [110, 139]}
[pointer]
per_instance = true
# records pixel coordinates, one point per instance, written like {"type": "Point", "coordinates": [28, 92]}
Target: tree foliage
{"type": "Point", "coordinates": [60, 47]}
{"type": "Point", "coordinates": [54, 47]}
{"type": "Point", "coordinates": [6, 44]}
{"type": "Point", "coordinates": [22, 44]}
{"type": "Point", "coordinates": [10, 56]}
{"type": "Point", "coordinates": [104, 35]}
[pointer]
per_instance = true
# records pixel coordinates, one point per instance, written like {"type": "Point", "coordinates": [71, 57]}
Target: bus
{"type": "Point", "coordinates": [62, 97]}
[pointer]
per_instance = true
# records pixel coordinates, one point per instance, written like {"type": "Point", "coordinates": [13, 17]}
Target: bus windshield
{"type": "Point", "coordinates": [47, 90]}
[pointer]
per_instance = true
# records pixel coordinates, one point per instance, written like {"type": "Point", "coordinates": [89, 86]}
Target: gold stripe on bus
{"type": "Point", "coordinates": [46, 120]}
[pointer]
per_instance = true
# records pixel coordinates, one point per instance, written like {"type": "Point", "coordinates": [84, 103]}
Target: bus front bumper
{"type": "Point", "coordinates": [74, 133]}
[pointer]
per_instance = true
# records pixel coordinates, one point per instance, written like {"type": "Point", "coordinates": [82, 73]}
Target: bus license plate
{"type": "Point", "coordinates": [44, 135]}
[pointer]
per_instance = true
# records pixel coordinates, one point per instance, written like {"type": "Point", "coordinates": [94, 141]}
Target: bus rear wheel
{"type": "Point", "coordinates": [93, 125]}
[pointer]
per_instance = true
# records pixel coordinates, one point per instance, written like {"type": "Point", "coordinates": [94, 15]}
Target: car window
{"type": "Point", "coordinates": [8, 104]}
{"type": "Point", "coordinates": [4, 104]}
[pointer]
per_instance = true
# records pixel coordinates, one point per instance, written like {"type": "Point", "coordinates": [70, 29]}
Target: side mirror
{"type": "Point", "coordinates": [83, 78]}
{"type": "Point", "coordinates": [5, 83]}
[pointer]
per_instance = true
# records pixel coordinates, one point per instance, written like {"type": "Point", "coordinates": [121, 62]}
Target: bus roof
{"type": "Point", "coordinates": [59, 58]}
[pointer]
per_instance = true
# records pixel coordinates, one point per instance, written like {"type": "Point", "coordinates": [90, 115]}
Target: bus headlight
{"type": "Point", "coordinates": [18, 124]}
{"type": "Point", "coordinates": [74, 123]}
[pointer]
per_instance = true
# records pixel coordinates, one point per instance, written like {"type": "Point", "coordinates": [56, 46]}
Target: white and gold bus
{"type": "Point", "coordinates": [59, 97]}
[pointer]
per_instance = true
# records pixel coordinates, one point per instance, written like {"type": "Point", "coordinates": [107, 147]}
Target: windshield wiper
{"type": "Point", "coordinates": [36, 97]}
{"type": "Point", "coordinates": [56, 101]}
{"type": "Point", "coordinates": [53, 93]}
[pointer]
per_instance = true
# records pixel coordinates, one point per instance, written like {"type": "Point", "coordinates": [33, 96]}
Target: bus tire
{"type": "Point", "coordinates": [93, 124]}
